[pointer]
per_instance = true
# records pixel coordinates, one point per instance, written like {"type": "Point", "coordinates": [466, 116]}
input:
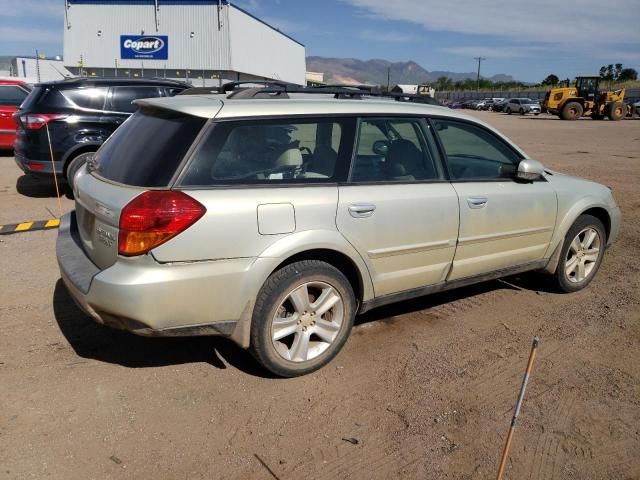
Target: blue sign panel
{"type": "Point", "coordinates": [144, 47]}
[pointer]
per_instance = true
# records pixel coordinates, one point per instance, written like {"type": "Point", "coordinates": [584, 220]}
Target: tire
{"type": "Point", "coordinates": [537, 113]}
{"type": "Point", "coordinates": [571, 111]}
{"type": "Point", "coordinates": [283, 298]}
{"type": "Point", "coordinates": [75, 165]}
{"type": "Point", "coordinates": [616, 111]}
{"type": "Point", "coordinates": [569, 275]}
{"type": "Point", "coordinates": [508, 110]}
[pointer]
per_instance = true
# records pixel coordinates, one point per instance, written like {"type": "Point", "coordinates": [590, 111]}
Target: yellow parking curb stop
{"type": "Point", "coordinates": [29, 226]}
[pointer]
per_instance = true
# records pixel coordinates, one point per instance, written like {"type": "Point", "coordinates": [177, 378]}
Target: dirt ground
{"type": "Point", "coordinates": [423, 389]}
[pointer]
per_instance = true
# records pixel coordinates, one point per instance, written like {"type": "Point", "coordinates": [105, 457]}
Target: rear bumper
{"type": "Point", "coordinates": [37, 167]}
{"type": "Point", "coordinates": [152, 299]}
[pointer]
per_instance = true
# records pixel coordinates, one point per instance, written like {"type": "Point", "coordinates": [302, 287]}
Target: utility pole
{"type": "Point", "coordinates": [38, 65]}
{"type": "Point", "coordinates": [479, 59]}
{"type": "Point", "coordinates": [388, 78]}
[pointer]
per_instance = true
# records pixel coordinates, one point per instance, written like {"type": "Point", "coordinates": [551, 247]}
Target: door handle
{"type": "Point", "coordinates": [477, 202]}
{"type": "Point", "coordinates": [361, 210]}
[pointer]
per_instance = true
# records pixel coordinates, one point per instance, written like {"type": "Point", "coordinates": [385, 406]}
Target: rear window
{"type": "Point", "coordinates": [44, 98]}
{"type": "Point", "coordinates": [148, 148]}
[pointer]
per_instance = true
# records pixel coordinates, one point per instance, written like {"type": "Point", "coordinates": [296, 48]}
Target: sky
{"type": "Point", "coordinates": [525, 39]}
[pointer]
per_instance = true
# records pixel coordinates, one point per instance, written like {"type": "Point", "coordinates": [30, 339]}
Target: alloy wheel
{"type": "Point", "coordinates": [307, 321]}
{"type": "Point", "coordinates": [583, 255]}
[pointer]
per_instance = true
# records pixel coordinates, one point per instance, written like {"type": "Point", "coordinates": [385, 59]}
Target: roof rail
{"type": "Point", "coordinates": [281, 90]}
{"type": "Point", "coordinates": [351, 92]}
{"type": "Point", "coordinates": [230, 86]}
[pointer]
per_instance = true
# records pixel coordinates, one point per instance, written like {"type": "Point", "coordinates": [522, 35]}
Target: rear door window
{"type": "Point", "coordinates": [121, 98]}
{"type": "Point", "coordinates": [12, 95]}
{"type": "Point", "coordinates": [395, 150]}
{"type": "Point", "coordinates": [273, 152]}
{"type": "Point", "coordinates": [146, 150]}
{"type": "Point", "coordinates": [92, 98]}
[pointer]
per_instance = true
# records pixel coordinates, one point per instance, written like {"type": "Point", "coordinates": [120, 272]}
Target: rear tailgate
{"type": "Point", "coordinates": [144, 153]}
{"type": "Point", "coordinates": [98, 207]}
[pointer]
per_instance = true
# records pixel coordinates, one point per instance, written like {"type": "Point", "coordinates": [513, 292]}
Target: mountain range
{"type": "Point", "coordinates": [352, 70]}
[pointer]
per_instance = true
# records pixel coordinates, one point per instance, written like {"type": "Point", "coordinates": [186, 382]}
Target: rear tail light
{"type": "Point", "coordinates": [154, 217]}
{"type": "Point", "coordinates": [35, 121]}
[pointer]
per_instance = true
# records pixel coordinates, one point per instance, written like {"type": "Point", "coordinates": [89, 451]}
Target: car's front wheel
{"type": "Point", "coordinates": [302, 318]}
{"type": "Point", "coordinates": [581, 254]}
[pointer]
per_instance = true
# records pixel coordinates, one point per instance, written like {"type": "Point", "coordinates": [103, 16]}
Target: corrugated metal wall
{"type": "Point", "coordinates": [258, 49]}
{"type": "Point", "coordinates": [238, 43]}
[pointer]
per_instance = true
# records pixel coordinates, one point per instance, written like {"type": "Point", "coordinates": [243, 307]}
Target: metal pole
{"type": "Point", "coordinates": [479, 59]}
{"type": "Point", "coordinates": [388, 78]}
{"type": "Point", "coordinates": [38, 65]}
{"type": "Point", "coordinates": [514, 419]}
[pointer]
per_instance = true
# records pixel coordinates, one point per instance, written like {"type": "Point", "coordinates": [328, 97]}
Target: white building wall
{"type": "Point", "coordinates": [238, 43]}
{"type": "Point", "coordinates": [258, 49]}
{"type": "Point", "coordinates": [208, 48]}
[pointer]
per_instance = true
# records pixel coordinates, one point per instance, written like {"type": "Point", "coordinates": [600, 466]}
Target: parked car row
{"type": "Point", "coordinates": [506, 105]}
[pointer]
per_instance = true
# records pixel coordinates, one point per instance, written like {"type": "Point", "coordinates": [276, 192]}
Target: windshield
{"type": "Point", "coordinates": [148, 148]}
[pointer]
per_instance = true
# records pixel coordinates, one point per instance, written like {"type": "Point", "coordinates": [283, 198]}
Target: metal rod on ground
{"type": "Point", "coordinates": [53, 167]}
{"type": "Point", "coordinates": [523, 388]}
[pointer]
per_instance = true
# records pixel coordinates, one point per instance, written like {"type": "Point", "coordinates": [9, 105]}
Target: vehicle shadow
{"type": "Point", "coordinates": [526, 281]}
{"type": "Point", "coordinates": [40, 187]}
{"type": "Point", "coordinates": [92, 340]}
{"type": "Point", "coordinates": [6, 152]}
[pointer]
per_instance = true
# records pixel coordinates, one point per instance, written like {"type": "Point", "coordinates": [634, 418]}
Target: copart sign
{"type": "Point", "coordinates": [147, 47]}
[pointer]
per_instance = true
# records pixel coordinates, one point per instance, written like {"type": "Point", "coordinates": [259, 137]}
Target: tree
{"type": "Point", "coordinates": [627, 74]}
{"type": "Point", "coordinates": [551, 80]}
{"type": "Point", "coordinates": [616, 73]}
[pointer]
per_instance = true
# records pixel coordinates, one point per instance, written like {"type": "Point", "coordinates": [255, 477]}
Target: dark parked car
{"type": "Point", "coordinates": [499, 106]}
{"type": "Point", "coordinates": [78, 115]}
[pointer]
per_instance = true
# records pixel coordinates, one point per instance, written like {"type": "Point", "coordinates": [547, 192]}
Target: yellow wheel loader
{"type": "Point", "coordinates": [585, 99]}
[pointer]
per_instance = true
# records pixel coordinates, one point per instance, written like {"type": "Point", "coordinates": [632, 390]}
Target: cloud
{"type": "Point", "coordinates": [32, 35]}
{"type": "Point", "coordinates": [579, 24]}
{"type": "Point", "coordinates": [386, 36]}
{"type": "Point", "coordinates": [32, 8]}
{"type": "Point", "coordinates": [496, 52]}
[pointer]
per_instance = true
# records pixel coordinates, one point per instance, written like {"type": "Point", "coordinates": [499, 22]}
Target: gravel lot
{"type": "Point", "coordinates": [423, 389]}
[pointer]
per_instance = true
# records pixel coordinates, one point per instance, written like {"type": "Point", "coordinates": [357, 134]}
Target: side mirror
{"type": "Point", "coordinates": [529, 170]}
{"type": "Point", "coordinates": [380, 147]}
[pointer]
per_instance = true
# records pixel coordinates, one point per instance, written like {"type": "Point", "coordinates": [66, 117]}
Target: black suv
{"type": "Point", "coordinates": [78, 115]}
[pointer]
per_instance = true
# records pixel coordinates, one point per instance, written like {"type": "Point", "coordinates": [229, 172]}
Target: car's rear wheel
{"type": "Point", "coordinates": [302, 318]}
{"type": "Point", "coordinates": [581, 254]}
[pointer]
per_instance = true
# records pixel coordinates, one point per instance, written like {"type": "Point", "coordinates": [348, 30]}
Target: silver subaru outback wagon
{"type": "Point", "coordinates": [274, 222]}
